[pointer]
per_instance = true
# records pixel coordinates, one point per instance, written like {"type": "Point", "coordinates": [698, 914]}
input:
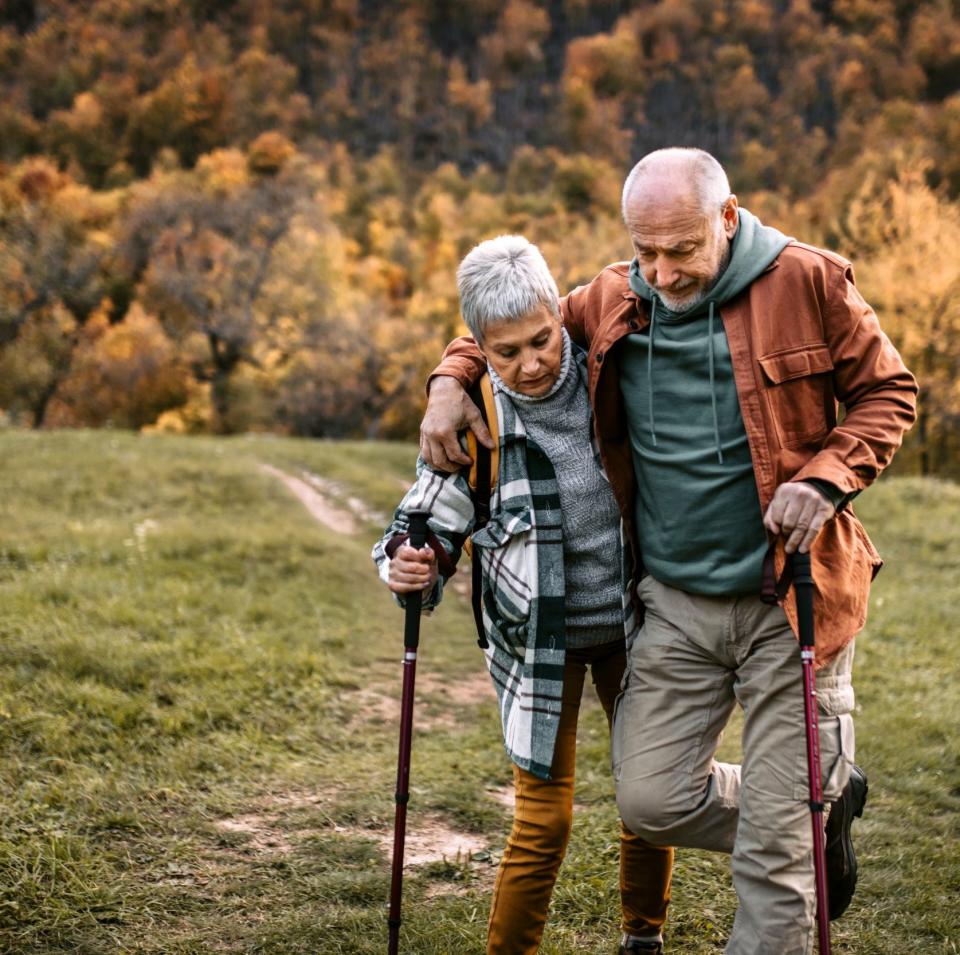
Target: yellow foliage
{"type": "Point", "coordinates": [224, 171]}
{"type": "Point", "coordinates": [756, 14]}
{"type": "Point", "coordinates": [474, 98]}
{"type": "Point", "coordinates": [123, 374]}
{"type": "Point", "coordinates": [38, 178]}
{"type": "Point", "coordinates": [609, 63]}
{"type": "Point", "coordinates": [195, 416]}
{"type": "Point", "coordinates": [269, 152]}
{"type": "Point", "coordinates": [279, 199]}
{"type": "Point", "coordinates": [912, 278]}
{"type": "Point", "coordinates": [516, 42]}
{"type": "Point", "coordinates": [852, 80]}
{"type": "Point", "coordinates": [87, 111]}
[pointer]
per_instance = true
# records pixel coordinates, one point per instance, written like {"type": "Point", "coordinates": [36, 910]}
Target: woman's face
{"type": "Point", "coordinates": [526, 352]}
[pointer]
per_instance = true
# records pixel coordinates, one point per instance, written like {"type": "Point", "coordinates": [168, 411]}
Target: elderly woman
{"type": "Point", "coordinates": [553, 585]}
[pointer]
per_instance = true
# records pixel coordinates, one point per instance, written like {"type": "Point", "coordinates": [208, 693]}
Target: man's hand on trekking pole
{"type": "Point", "coordinates": [411, 569]}
{"type": "Point", "coordinates": [449, 411]}
{"type": "Point", "coordinates": [798, 511]}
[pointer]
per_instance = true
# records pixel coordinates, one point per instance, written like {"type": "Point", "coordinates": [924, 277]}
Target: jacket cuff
{"type": "Point", "coordinates": [462, 369]}
{"type": "Point", "coordinates": [838, 498]}
{"type": "Point", "coordinates": [825, 468]}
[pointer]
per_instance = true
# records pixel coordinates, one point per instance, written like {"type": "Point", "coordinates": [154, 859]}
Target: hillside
{"type": "Point", "coordinates": [198, 694]}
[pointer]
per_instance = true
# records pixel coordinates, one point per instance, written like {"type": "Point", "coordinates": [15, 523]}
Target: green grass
{"type": "Point", "coordinates": [196, 754]}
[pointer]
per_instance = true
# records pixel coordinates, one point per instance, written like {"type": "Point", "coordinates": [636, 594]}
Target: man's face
{"type": "Point", "coordinates": [527, 352]}
{"type": "Point", "coordinates": [681, 249]}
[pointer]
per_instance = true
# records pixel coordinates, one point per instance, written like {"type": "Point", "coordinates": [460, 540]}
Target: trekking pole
{"type": "Point", "coordinates": [411, 640]}
{"type": "Point", "coordinates": [803, 581]}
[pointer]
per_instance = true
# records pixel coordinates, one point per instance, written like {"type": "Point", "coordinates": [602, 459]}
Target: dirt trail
{"type": "Point", "coordinates": [328, 502]}
{"type": "Point", "coordinates": [317, 494]}
{"type": "Point", "coordinates": [274, 828]}
{"type": "Point", "coordinates": [429, 839]}
{"type": "Point", "coordinates": [319, 505]}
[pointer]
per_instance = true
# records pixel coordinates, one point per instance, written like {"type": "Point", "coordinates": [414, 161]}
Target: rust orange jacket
{"type": "Point", "coordinates": [802, 341]}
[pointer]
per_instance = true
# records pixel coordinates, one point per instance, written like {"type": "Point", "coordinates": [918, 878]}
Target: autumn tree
{"type": "Point", "coordinates": [52, 261]}
{"type": "Point", "coordinates": [205, 250]}
{"type": "Point", "coordinates": [124, 374]}
{"type": "Point", "coordinates": [909, 270]}
{"type": "Point", "coordinates": [230, 214]}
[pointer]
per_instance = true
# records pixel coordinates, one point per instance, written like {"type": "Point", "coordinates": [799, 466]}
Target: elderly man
{"type": "Point", "coordinates": [717, 359]}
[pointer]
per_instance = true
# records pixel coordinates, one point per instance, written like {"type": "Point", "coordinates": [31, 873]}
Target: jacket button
{"type": "Point", "coordinates": [599, 357]}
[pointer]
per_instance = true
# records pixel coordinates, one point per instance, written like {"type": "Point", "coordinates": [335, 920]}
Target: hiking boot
{"type": "Point", "coordinates": [639, 946]}
{"type": "Point", "coordinates": [841, 859]}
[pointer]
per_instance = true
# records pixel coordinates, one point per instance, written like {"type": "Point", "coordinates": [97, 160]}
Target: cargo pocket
{"type": "Point", "coordinates": [837, 743]}
{"type": "Point", "coordinates": [799, 393]}
{"type": "Point", "coordinates": [836, 773]}
{"type": "Point", "coordinates": [835, 702]}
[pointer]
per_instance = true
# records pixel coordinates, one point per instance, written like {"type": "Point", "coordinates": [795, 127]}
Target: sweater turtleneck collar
{"type": "Point", "coordinates": [566, 381]}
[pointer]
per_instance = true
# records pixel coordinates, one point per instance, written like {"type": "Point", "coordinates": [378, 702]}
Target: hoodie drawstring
{"type": "Point", "coordinates": [711, 366]}
{"type": "Point", "coordinates": [713, 386]}
{"type": "Point", "coordinates": [653, 325]}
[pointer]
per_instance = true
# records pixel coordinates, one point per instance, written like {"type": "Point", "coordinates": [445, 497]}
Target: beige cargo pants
{"type": "Point", "coordinates": [694, 659]}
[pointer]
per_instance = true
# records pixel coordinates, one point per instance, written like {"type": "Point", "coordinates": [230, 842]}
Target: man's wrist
{"type": "Point", "coordinates": [443, 382]}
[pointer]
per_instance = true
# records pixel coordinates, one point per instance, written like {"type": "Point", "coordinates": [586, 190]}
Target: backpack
{"type": "Point", "coordinates": [482, 480]}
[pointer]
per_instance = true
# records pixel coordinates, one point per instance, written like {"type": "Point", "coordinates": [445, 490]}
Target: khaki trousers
{"type": "Point", "coordinates": [543, 818]}
{"type": "Point", "coordinates": [694, 659]}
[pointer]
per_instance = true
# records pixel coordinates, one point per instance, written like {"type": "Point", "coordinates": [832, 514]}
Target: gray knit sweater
{"type": "Point", "coordinates": [559, 422]}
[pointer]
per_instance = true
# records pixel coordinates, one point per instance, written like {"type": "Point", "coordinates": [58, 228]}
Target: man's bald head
{"type": "Point", "coordinates": [682, 219]}
{"type": "Point", "coordinates": [691, 177]}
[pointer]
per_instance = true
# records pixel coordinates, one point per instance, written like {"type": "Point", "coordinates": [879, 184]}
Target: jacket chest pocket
{"type": "Point", "coordinates": [799, 393]}
{"type": "Point", "coordinates": [508, 560]}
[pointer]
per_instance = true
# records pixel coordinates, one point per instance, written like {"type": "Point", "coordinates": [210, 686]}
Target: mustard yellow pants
{"type": "Point", "coordinates": [542, 821]}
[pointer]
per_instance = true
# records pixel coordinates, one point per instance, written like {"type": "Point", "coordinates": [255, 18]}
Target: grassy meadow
{"type": "Point", "coordinates": [198, 688]}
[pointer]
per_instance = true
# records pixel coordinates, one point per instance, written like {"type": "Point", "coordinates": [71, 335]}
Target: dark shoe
{"type": "Point", "coordinates": [841, 859]}
{"type": "Point", "coordinates": [638, 947]}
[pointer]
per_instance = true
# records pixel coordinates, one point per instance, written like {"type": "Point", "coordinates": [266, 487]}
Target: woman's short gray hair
{"type": "Point", "coordinates": [504, 279]}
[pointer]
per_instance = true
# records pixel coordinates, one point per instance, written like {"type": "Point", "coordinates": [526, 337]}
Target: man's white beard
{"type": "Point", "coordinates": [684, 303]}
{"type": "Point", "coordinates": [677, 304]}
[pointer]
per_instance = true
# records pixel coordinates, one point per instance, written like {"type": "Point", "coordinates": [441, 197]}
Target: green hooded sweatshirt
{"type": "Point", "coordinates": [698, 511]}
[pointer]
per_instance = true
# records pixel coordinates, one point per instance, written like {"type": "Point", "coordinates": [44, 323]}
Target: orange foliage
{"type": "Point", "coordinates": [123, 375]}
{"type": "Point", "coordinates": [250, 215]}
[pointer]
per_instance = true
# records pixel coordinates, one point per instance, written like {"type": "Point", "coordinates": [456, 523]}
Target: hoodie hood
{"type": "Point", "coordinates": [752, 249]}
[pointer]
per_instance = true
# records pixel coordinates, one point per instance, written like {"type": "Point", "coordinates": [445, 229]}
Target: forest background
{"type": "Point", "coordinates": [247, 216]}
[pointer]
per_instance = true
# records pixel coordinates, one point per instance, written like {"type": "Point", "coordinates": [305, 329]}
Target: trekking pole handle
{"type": "Point", "coordinates": [803, 581]}
{"type": "Point", "coordinates": [417, 530]}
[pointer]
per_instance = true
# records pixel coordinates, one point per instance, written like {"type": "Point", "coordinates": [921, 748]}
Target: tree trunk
{"type": "Point", "coordinates": [43, 402]}
{"type": "Point", "coordinates": [225, 357]}
{"type": "Point", "coordinates": [40, 407]}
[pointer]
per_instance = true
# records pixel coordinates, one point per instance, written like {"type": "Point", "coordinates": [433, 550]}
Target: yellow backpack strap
{"type": "Point", "coordinates": [482, 478]}
{"type": "Point", "coordinates": [483, 390]}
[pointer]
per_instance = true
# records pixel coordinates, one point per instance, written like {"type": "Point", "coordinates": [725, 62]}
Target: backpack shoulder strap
{"type": "Point", "coordinates": [482, 395]}
{"type": "Point", "coordinates": [482, 479]}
